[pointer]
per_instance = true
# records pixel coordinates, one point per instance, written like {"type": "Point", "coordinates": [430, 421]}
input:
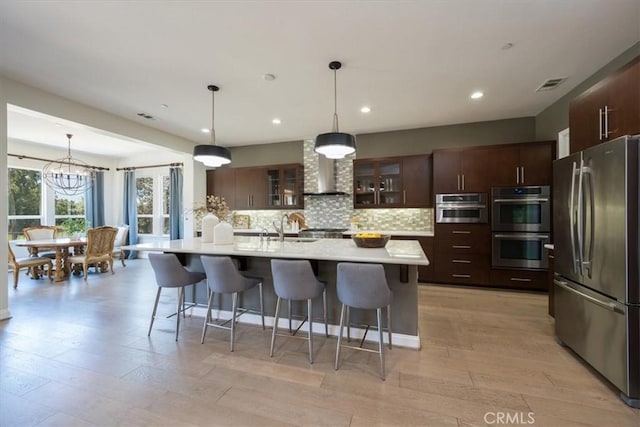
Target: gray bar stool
{"type": "Point", "coordinates": [294, 280]}
{"type": "Point", "coordinates": [364, 286]}
{"type": "Point", "coordinates": [224, 278]}
{"type": "Point", "coordinates": [171, 274]}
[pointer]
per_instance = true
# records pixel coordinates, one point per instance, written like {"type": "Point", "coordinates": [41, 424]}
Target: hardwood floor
{"type": "Point", "coordinates": [77, 354]}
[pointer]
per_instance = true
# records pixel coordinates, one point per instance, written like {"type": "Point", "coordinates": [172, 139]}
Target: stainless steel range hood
{"type": "Point", "coordinates": [326, 179]}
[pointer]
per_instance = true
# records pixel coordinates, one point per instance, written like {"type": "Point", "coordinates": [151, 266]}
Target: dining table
{"type": "Point", "coordinates": [63, 247]}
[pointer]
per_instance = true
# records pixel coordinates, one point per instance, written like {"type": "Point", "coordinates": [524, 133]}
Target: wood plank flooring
{"type": "Point", "coordinates": [77, 354]}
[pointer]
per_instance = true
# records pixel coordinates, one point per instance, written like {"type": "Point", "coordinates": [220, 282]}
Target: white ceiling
{"type": "Point", "coordinates": [413, 62]}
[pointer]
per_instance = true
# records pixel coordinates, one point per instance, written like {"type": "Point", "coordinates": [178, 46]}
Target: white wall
{"type": "Point", "coordinates": [15, 93]}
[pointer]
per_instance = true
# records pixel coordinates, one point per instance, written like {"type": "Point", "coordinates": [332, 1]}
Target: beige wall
{"type": "Point", "coordinates": [4, 286]}
{"type": "Point", "coordinates": [556, 117]}
{"type": "Point", "coordinates": [267, 154]}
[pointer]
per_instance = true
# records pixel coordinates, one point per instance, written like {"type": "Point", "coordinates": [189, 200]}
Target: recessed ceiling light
{"type": "Point", "coordinates": [205, 130]}
{"type": "Point", "coordinates": [164, 105]}
{"type": "Point", "coordinates": [365, 109]}
{"type": "Point", "coordinates": [269, 77]}
{"type": "Point", "coordinates": [507, 46]}
{"type": "Point", "coordinates": [276, 121]}
{"type": "Point", "coordinates": [477, 95]}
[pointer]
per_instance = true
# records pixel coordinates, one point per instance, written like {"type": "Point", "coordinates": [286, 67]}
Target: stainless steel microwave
{"type": "Point", "coordinates": [462, 208]}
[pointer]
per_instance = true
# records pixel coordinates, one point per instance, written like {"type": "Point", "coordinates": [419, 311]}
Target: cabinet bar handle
{"type": "Point", "coordinates": [404, 197]}
{"type": "Point", "coordinates": [607, 110]}
{"type": "Point", "coordinates": [522, 174]}
{"type": "Point", "coordinates": [462, 182]}
{"type": "Point", "coordinates": [600, 124]}
{"type": "Point", "coordinates": [248, 200]}
{"type": "Point", "coordinates": [519, 279]}
{"type": "Point", "coordinates": [461, 247]}
{"type": "Point", "coordinates": [459, 182]}
{"type": "Point", "coordinates": [461, 261]}
{"type": "Point", "coordinates": [460, 232]}
{"type": "Point", "coordinates": [461, 276]}
{"type": "Point", "coordinates": [517, 175]}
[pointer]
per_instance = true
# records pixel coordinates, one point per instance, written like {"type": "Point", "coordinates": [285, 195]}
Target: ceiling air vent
{"type": "Point", "coordinates": [550, 84]}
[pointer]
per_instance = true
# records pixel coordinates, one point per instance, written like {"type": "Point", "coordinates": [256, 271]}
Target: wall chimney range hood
{"type": "Point", "coordinates": [326, 179]}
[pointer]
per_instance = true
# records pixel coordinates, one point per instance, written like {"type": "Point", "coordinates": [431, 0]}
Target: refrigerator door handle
{"type": "Point", "coordinates": [608, 305]}
{"type": "Point", "coordinates": [589, 257]}
{"type": "Point", "coordinates": [580, 220]}
{"type": "Point", "coordinates": [572, 224]}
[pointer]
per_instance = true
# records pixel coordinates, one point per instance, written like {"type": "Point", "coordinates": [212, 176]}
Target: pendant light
{"type": "Point", "coordinates": [212, 155]}
{"type": "Point", "coordinates": [68, 176]}
{"type": "Point", "coordinates": [335, 144]}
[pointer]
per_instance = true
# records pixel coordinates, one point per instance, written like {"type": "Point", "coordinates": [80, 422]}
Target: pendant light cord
{"type": "Point", "coordinates": [335, 101]}
{"type": "Point", "coordinates": [213, 109]}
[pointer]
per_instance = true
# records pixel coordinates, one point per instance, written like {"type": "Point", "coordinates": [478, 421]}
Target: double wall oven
{"type": "Point", "coordinates": [521, 226]}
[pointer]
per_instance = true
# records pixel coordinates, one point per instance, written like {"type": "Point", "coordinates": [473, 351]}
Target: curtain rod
{"type": "Point", "coordinates": [22, 156]}
{"type": "Point", "coordinates": [132, 168]}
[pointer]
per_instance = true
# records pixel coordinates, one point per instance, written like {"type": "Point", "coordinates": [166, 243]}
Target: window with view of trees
{"type": "Point", "coordinates": [24, 201]}
{"type": "Point", "coordinates": [153, 196]}
{"type": "Point", "coordinates": [69, 214]}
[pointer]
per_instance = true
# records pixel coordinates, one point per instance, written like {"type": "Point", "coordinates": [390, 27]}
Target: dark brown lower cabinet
{"type": "Point", "coordinates": [520, 279]}
{"type": "Point", "coordinates": [550, 283]}
{"type": "Point", "coordinates": [462, 268]}
{"type": "Point", "coordinates": [425, 274]}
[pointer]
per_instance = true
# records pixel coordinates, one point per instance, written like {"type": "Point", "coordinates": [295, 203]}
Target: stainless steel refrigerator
{"type": "Point", "coordinates": [597, 292]}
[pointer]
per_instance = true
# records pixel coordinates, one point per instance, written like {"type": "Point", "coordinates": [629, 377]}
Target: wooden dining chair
{"type": "Point", "coordinates": [99, 250]}
{"type": "Point", "coordinates": [42, 232]}
{"type": "Point", "coordinates": [34, 263]}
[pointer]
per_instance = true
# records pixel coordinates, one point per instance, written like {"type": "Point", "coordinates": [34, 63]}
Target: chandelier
{"type": "Point", "coordinates": [68, 176]}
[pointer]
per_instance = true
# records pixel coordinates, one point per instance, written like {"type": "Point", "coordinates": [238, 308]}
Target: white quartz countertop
{"type": "Point", "coordinates": [407, 252]}
{"type": "Point", "coordinates": [346, 233]}
{"type": "Point", "coordinates": [392, 232]}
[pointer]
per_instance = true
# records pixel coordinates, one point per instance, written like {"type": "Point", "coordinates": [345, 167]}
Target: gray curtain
{"type": "Point", "coordinates": [94, 201]}
{"type": "Point", "coordinates": [130, 210]}
{"type": "Point", "coordinates": [176, 228]}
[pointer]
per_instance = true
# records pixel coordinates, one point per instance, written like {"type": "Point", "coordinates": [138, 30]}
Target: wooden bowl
{"type": "Point", "coordinates": [371, 242]}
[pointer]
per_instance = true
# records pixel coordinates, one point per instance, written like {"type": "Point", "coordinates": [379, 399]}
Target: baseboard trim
{"type": "Point", "coordinates": [400, 340]}
{"type": "Point", "coordinates": [5, 314]}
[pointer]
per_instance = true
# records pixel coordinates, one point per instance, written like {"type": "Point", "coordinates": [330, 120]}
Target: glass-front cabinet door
{"type": "Point", "coordinates": [377, 184]}
{"type": "Point", "coordinates": [285, 186]}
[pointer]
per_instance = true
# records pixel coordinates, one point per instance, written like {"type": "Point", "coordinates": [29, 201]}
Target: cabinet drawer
{"type": "Point", "coordinates": [463, 238]}
{"type": "Point", "coordinates": [519, 279]}
{"type": "Point", "coordinates": [462, 268]}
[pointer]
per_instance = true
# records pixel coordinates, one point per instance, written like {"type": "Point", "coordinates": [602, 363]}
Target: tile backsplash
{"type": "Point", "coordinates": [337, 211]}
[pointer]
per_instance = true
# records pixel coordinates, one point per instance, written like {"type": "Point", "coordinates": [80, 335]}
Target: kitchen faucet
{"type": "Point", "coordinates": [264, 233]}
{"type": "Point", "coordinates": [280, 229]}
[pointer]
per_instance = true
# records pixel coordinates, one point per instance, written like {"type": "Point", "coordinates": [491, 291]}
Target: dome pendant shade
{"type": "Point", "coordinates": [212, 155]}
{"type": "Point", "coordinates": [335, 145]}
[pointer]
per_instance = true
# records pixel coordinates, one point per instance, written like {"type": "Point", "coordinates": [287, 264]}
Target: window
{"type": "Point", "coordinates": [25, 201]}
{"type": "Point", "coordinates": [69, 213]}
{"type": "Point", "coordinates": [153, 204]}
{"type": "Point", "coordinates": [144, 188]}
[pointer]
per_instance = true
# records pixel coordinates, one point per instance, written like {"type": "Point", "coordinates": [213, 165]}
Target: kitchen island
{"type": "Point", "coordinates": [400, 259]}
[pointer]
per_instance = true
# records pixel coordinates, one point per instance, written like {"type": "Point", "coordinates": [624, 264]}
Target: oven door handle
{"type": "Point", "coordinates": [441, 206]}
{"type": "Point", "coordinates": [527, 200]}
{"type": "Point", "coordinates": [521, 236]}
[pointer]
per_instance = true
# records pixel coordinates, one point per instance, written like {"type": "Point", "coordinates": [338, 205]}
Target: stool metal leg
{"type": "Point", "coordinates": [261, 305]}
{"type": "Point", "coordinates": [289, 303]}
{"type": "Point", "coordinates": [310, 314]}
{"type": "Point", "coordinates": [207, 318]}
{"type": "Point", "coordinates": [324, 304]}
{"type": "Point", "coordinates": [233, 319]}
{"type": "Point", "coordinates": [380, 342]}
{"type": "Point", "coordinates": [348, 324]}
{"type": "Point", "coordinates": [155, 307]}
{"type": "Point", "coordinates": [180, 300]}
{"type": "Point", "coordinates": [342, 310]}
{"type": "Point", "coordinates": [275, 327]}
{"type": "Point", "coordinates": [389, 324]}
